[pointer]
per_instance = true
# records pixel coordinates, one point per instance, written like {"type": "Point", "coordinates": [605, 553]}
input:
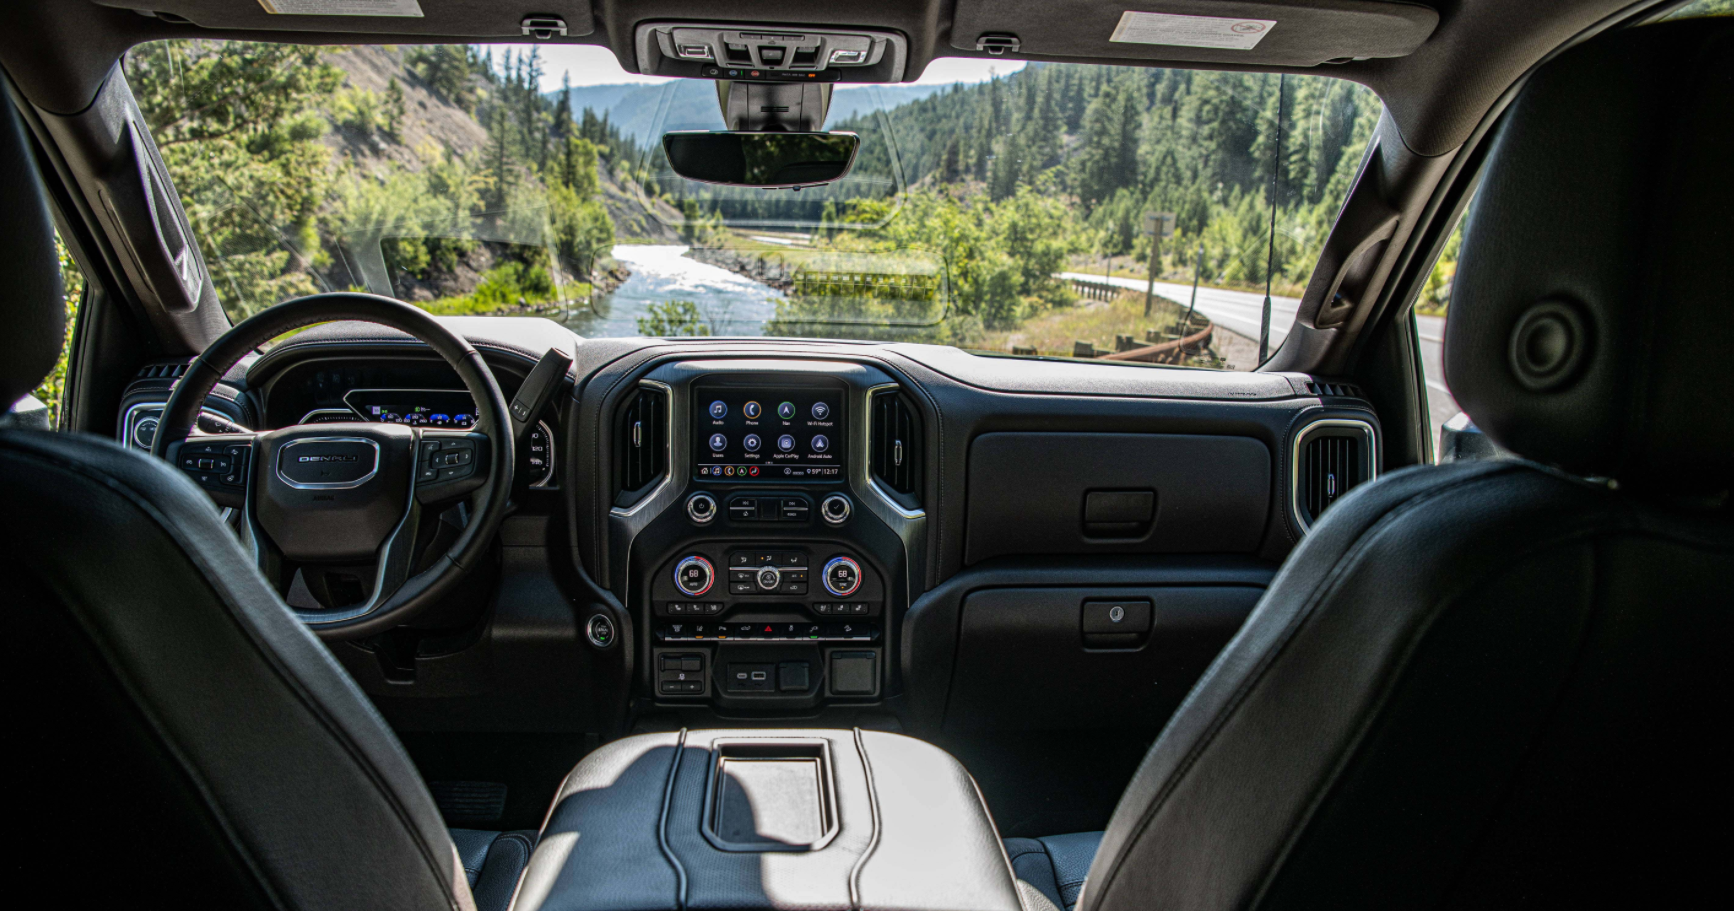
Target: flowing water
{"type": "Point", "coordinates": [729, 304]}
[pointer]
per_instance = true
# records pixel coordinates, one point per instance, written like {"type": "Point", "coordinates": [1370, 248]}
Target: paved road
{"type": "Point", "coordinates": [1240, 312]}
{"type": "Point", "coordinates": [1237, 311]}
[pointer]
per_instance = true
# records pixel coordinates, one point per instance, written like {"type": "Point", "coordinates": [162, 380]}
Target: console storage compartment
{"type": "Point", "coordinates": [747, 819]}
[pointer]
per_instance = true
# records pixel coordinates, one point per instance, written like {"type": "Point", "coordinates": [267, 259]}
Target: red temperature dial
{"type": "Point", "coordinates": [694, 575]}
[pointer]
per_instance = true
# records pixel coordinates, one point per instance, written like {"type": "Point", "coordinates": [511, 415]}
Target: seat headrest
{"type": "Point", "coordinates": [1592, 317]}
{"type": "Point", "coordinates": [32, 311]}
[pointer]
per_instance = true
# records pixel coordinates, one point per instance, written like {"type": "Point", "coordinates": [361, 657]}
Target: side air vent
{"type": "Point", "coordinates": [641, 445]}
{"type": "Point", "coordinates": [894, 445]}
{"type": "Point", "coordinates": [1331, 457]}
{"type": "Point", "coordinates": [1349, 390]}
{"type": "Point", "coordinates": [163, 371]}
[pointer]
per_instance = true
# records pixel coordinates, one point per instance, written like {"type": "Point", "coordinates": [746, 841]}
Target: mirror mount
{"type": "Point", "coordinates": [773, 107]}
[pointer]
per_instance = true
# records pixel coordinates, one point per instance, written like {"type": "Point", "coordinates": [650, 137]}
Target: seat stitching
{"type": "Point", "coordinates": [190, 549]}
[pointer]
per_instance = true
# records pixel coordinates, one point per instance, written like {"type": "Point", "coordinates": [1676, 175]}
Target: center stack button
{"type": "Point", "coordinates": [694, 575]}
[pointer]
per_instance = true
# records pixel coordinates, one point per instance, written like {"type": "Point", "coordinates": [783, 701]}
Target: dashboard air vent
{"type": "Point", "coordinates": [894, 445]}
{"type": "Point", "coordinates": [1350, 390]}
{"type": "Point", "coordinates": [1332, 457]}
{"type": "Point", "coordinates": [641, 448]}
{"type": "Point", "coordinates": [163, 371]}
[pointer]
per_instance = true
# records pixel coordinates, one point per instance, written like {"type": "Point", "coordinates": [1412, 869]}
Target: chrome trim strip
{"type": "Point", "coordinates": [327, 485]}
{"type": "Point", "coordinates": [866, 454]}
{"type": "Point", "coordinates": [668, 465]}
{"type": "Point", "coordinates": [1300, 439]}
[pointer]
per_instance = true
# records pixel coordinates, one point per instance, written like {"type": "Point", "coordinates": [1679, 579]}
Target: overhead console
{"type": "Point", "coordinates": [698, 50]}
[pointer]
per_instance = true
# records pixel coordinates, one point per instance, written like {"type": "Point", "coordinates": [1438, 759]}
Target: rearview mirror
{"type": "Point", "coordinates": [767, 160]}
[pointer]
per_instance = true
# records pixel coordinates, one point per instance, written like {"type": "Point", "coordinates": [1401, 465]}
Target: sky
{"type": "Point", "coordinates": [592, 65]}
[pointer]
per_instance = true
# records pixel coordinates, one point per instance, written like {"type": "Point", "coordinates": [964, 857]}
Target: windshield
{"type": "Point", "coordinates": [1116, 213]}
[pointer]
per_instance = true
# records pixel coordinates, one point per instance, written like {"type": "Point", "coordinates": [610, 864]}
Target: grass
{"type": "Point", "coordinates": [1097, 322]}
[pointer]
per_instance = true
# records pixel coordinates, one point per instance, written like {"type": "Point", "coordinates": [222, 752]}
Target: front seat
{"type": "Point", "coordinates": [1500, 683]}
{"type": "Point", "coordinates": [175, 734]}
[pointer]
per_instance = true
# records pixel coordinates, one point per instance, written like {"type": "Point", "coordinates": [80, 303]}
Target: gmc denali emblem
{"type": "Point", "coordinates": [328, 463]}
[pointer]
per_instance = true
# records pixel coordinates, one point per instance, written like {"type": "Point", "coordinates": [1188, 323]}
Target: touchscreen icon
{"type": "Point", "coordinates": [751, 410]}
{"type": "Point", "coordinates": [786, 410]}
{"type": "Point", "coordinates": [820, 443]}
{"type": "Point", "coordinates": [718, 442]}
{"type": "Point", "coordinates": [786, 443]}
{"type": "Point", "coordinates": [719, 409]}
{"type": "Point", "coordinates": [751, 442]}
{"type": "Point", "coordinates": [821, 411]}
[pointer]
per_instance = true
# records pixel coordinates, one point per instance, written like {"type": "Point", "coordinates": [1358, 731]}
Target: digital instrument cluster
{"type": "Point", "coordinates": [786, 434]}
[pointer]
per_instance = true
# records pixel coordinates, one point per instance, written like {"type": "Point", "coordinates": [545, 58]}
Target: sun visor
{"type": "Point", "coordinates": [441, 18]}
{"type": "Point", "coordinates": [1270, 33]}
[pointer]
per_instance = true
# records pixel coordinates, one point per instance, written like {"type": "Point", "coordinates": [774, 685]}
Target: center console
{"type": "Point", "coordinates": [768, 573]}
{"type": "Point", "coordinates": [769, 818]}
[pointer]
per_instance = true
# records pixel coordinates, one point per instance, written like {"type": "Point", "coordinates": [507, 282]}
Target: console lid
{"type": "Point", "coordinates": [743, 819]}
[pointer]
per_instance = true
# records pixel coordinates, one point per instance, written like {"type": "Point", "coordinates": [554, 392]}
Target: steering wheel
{"type": "Point", "coordinates": [349, 493]}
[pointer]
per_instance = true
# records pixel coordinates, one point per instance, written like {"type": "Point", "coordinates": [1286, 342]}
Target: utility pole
{"type": "Point", "coordinates": [1159, 225]}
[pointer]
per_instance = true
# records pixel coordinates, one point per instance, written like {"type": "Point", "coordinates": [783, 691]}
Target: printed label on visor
{"type": "Point", "coordinates": [405, 8]}
{"type": "Point", "coordinates": [1191, 31]}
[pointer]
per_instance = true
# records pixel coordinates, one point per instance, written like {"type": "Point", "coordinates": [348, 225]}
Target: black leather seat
{"type": "Point", "coordinates": [175, 732]}
{"type": "Point", "coordinates": [1502, 683]}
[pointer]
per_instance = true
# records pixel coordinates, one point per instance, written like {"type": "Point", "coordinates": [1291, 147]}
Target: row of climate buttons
{"type": "Point", "coordinates": [768, 580]}
{"type": "Point", "coordinates": [767, 632]}
{"type": "Point", "coordinates": [783, 558]}
{"type": "Point", "coordinates": [692, 608]}
{"type": "Point", "coordinates": [857, 608]}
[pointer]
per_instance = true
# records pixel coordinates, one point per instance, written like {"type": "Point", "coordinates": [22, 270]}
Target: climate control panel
{"type": "Point", "coordinates": [804, 582]}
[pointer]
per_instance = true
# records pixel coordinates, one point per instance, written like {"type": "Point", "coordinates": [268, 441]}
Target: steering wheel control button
{"type": "Point", "coordinates": [720, 410]}
{"type": "Point", "coordinates": [600, 631]}
{"type": "Point", "coordinates": [701, 508]}
{"type": "Point", "coordinates": [786, 410]}
{"type": "Point", "coordinates": [842, 576]}
{"type": "Point", "coordinates": [694, 575]}
{"type": "Point", "coordinates": [835, 509]}
{"type": "Point", "coordinates": [821, 411]}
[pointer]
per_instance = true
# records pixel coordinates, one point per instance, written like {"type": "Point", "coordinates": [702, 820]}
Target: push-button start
{"type": "Point", "coordinates": [842, 576]}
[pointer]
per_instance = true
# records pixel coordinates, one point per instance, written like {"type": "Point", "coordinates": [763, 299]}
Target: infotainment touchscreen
{"type": "Point", "coordinates": [786, 434]}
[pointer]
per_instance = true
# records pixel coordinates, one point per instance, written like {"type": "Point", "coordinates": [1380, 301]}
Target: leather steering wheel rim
{"type": "Point", "coordinates": [421, 590]}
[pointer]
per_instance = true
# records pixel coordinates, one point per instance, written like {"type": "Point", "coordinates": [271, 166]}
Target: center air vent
{"type": "Point", "coordinates": [894, 445]}
{"type": "Point", "coordinates": [1331, 457]}
{"type": "Point", "coordinates": [641, 445]}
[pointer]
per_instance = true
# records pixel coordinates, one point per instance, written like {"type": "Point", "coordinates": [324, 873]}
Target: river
{"type": "Point", "coordinates": [730, 304]}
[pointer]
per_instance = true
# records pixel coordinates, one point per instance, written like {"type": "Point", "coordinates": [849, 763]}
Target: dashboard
{"type": "Point", "coordinates": [746, 530]}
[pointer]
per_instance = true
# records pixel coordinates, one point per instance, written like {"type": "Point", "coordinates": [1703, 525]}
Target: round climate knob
{"type": "Point", "coordinates": [701, 508]}
{"type": "Point", "coordinates": [835, 509]}
{"type": "Point", "coordinates": [769, 577]}
{"type": "Point", "coordinates": [842, 576]}
{"type": "Point", "coordinates": [694, 575]}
